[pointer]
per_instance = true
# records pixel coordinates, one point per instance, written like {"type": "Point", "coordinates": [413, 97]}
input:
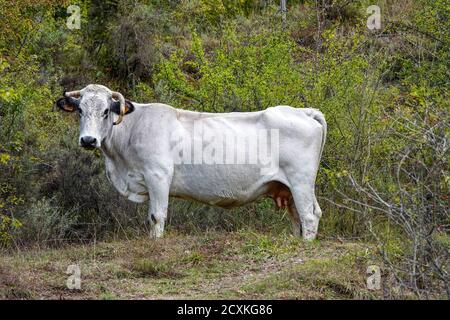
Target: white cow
{"type": "Point", "coordinates": [223, 159]}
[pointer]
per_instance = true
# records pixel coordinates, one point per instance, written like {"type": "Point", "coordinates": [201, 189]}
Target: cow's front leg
{"type": "Point", "coordinates": [158, 188]}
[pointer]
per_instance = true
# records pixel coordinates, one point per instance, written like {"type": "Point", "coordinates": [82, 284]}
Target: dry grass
{"type": "Point", "coordinates": [213, 265]}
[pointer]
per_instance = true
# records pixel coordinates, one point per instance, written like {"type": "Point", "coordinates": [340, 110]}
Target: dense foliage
{"type": "Point", "coordinates": [384, 175]}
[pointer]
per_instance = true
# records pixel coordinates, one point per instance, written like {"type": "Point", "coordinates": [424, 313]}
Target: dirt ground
{"type": "Point", "coordinates": [214, 265]}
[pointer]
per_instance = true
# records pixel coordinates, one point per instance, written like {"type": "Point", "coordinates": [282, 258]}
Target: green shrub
{"type": "Point", "coordinates": [46, 223]}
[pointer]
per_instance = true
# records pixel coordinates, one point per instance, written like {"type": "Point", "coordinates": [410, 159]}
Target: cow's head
{"type": "Point", "coordinates": [97, 106]}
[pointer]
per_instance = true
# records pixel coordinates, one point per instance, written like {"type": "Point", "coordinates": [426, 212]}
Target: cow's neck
{"type": "Point", "coordinates": [111, 145]}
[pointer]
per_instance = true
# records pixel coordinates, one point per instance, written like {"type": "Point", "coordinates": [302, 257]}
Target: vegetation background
{"type": "Point", "coordinates": [384, 177]}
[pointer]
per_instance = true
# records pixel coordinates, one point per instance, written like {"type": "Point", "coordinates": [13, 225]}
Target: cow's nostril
{"type": "Point", "coordinates": [88, 142]}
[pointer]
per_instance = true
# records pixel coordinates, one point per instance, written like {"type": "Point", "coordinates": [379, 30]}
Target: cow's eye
{"type": "Point", "coordinates": [106, 112]}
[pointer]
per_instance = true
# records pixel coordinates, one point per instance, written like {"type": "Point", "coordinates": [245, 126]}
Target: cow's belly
{"type": "Point", "coordinates": [220, 185]}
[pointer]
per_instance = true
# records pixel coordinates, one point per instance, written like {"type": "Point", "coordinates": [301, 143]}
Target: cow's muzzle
{"type": "Point", "coordinates": [88, 142]}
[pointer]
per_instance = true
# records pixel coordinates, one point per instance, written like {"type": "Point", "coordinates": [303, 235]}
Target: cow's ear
{"type": "Point", "coordinates": [66, 105]}
{"type": "Point", "coordinates": [129, 107]}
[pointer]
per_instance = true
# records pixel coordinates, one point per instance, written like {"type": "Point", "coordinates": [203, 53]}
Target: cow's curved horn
{"type": "Point", "coordinates": [119, 96]}
{"type": "Point", "coordinates": [73, 94]}
{"type": "Point", "coordinates": [72, 97]}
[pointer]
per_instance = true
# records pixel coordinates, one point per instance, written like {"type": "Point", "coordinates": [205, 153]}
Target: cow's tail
{"type": "Point", "coordinates": [320, 118]}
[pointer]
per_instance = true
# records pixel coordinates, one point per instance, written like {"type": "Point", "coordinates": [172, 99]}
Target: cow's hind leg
{"type": "Point", "coordinates": [306, 205]}
{"type": "Point", "coordinates": [295, 219]}
{"type": "Point", "coordinates": [317, 210]}
{"type": "Point", "coordinates": [158, 189]}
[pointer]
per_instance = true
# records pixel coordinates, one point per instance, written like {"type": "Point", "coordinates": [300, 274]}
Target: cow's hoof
{"type": "Point", "coordinates": [309, 236]}
{"type": "Point", "coordinates": [157, 231]}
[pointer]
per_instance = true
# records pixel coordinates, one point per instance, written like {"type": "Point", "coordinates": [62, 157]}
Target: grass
{"type": "Point", "coordinates": [223, 265]}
